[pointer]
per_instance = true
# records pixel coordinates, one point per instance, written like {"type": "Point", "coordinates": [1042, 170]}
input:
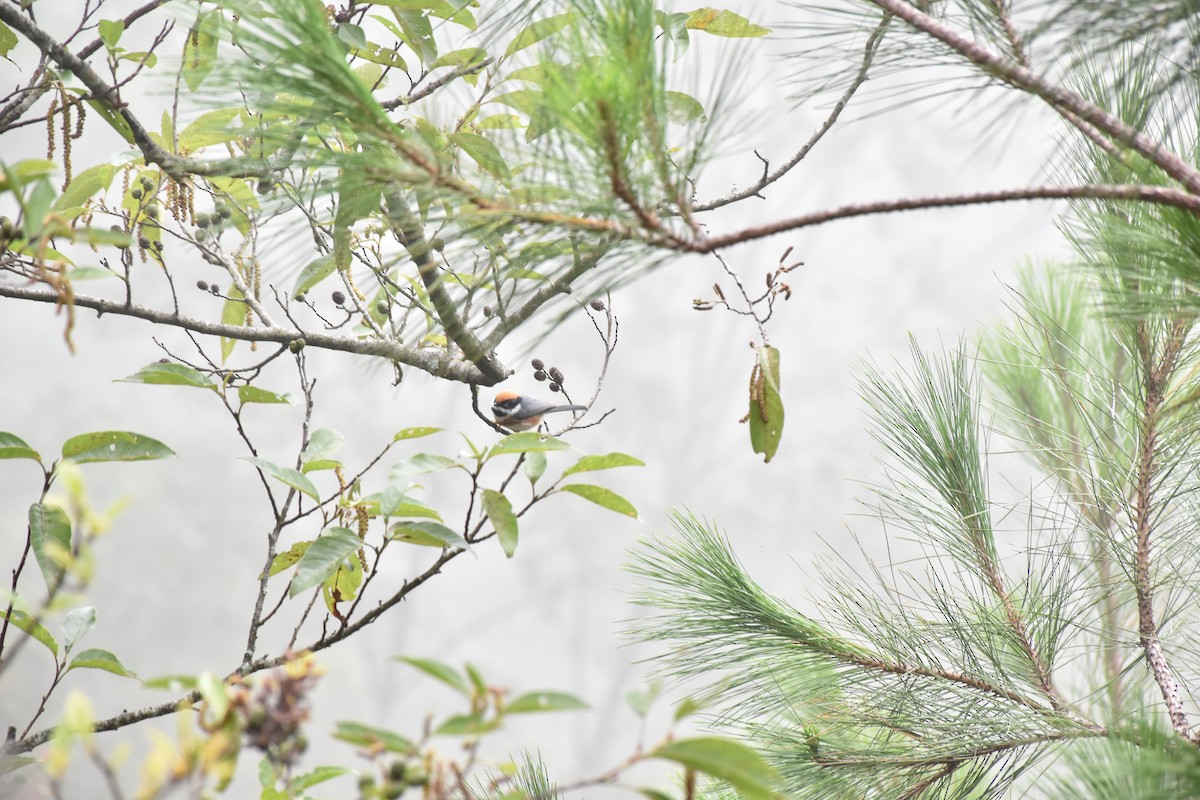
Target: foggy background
{"type": "Point", "coordinates": [175, 577]}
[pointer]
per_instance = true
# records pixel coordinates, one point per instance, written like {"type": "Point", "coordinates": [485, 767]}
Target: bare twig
{"type": "Point", "coordinates": [768, 178]}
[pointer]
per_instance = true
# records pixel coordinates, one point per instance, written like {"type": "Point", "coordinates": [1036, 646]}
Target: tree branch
{"type": "Point", "coordinates": [1160, 195]}
{"type": "Point", "coordinates": [767, 179]}
{"type": "Point", "coordinates": [434, 360]}
{"type": "Point", "coordinates": [177, 166]}
{"type": "Point", "coordinates": [1021, 77]}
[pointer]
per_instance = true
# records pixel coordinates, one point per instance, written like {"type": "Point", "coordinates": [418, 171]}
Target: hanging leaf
{"type": "Point", "coordinates": [200, 51]}
{"type": "Point", "coordinates": [766, 404]}
{"type": "Point", "coordinates": [50, 538]}
{"type": "Point", "coordinates": [500, 513]}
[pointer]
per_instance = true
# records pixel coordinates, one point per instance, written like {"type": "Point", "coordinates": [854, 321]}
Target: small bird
{"type": "Point", "coordinates": [520, 413]}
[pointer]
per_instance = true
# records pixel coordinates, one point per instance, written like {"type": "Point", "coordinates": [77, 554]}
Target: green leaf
{"type": "Point", "coordinates": [100, 236]}
{"type": "Point", "coordinates": [500, 513]}
{"type": "Point", "coordinates": [114, 119]}
{"type": "Point", "coordinates": [484, 153]}
{"type": "Point", "coordinates": [343, 585]}
{"type": "Point", "coordinates": [726, 759]}
{"type": "Point", "coordinates": [30, 626]}
{"type": "Point", "coordinates": [209, 128]}
{"type": "Point", "coordinates": [323, 443]}
{"type": "Point", "coordinates": [13, 446]}
{"type": "Point", "coordinates": [214, 693]}
{"type": "Point", "coordinates": [200, 50]}
{"type": "Point", "coordinates": [233, 312]}
{"type": "Point", "coordinates": [417, 34]}
{"type": "Point", "coordinates": [172, 683]}
{"type": "Point", "coordinates": [114, 446]}
{"type": "Point", "coordinates": [409, 508]}
{"type": "Point", "coordinates": [313, 273]}
{"type": "Point", "coordinates": [602, 497]}
{"type": "Point", "coordinates": [466, 725]}
{"type": "Point", "coordinates": [686, 708]}
{"type": "Point", "coordinates": [724, 23]}
{"type": "Point", "coordinates": [526, 442]}
{"type": "Point", "coordinates": [170, 374]}
{"type": "Point", "coordinates": [438, 671]}
{"type": "Point", "coordinates": [85, 184]}
{"type": "Point", "coordinates": [675, 26]}
{"type": "Point", "coordinates": [610, 461]}
{"type": "Point", "coordinates": [100, 659]}
{"type": "Point", "coordinates": [420, 464]}
{"type": "Point", "coordinates": [414, 433]}
{"type": "Point", "coordinates": [476, 678]}
{"type": "Point", "coordinates": [287, 558]}
{"type": "Point", "coordinates": [544, 701]}
{"type": "Point", "coordinates": [49, 535]}
{"type": "Point", "coordinates": [427, 534]}
{"type": "Point", "coordinates": [459, 58]}
{"type": "Point", "coordinates": [8, 40]}
{"type": "Point", "coordinates": [317, 775]}
{"type": "Point", "coordinates": [76, 625]}
{"type": "Point", "coordinates": [534, 466]}
{"type": "Point", "coordinates": [683, 109]}
{"type": "Point", "coordinates": [286, 475]}
{"type": "Point", "coordinates": [500, 122]}
{"type": "Point", "coordinates": [372, 739]}
{"type": "Point", "coordinates": [320, 464]}
{"type": "Point", "coordinates": [253, 394]}
{"type": "Point", "coordinates": [766, 404]}
{"type": "Point", "coordinates": [537, 31]}
{"type": "Point", "coordinates": [12, 763]}
{"type": "Point", "coordinates": [110, 32]}
{"type": "Point", "coordinates": [37, 206]}
{"type": "Point", "coordinates": [353, 35]}
{"type": "Point", "coordinates": [640, 700]}
{"type": "Point", "coordinates": [323, 557]}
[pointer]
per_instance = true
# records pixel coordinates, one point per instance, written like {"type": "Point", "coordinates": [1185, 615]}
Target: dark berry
{"type": "Point", "coordinates": [597, 304]}
{"type": "Point", "coordinates": [539, 375]}
{"type": "Point", "coordinates": [554, 387]}
{"type": "Point", "coordinates": [338, 298]}
{"type": "Point", "coordinates": [538, 363]}
{"type": "Point", "coordinates": [202, 285]}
